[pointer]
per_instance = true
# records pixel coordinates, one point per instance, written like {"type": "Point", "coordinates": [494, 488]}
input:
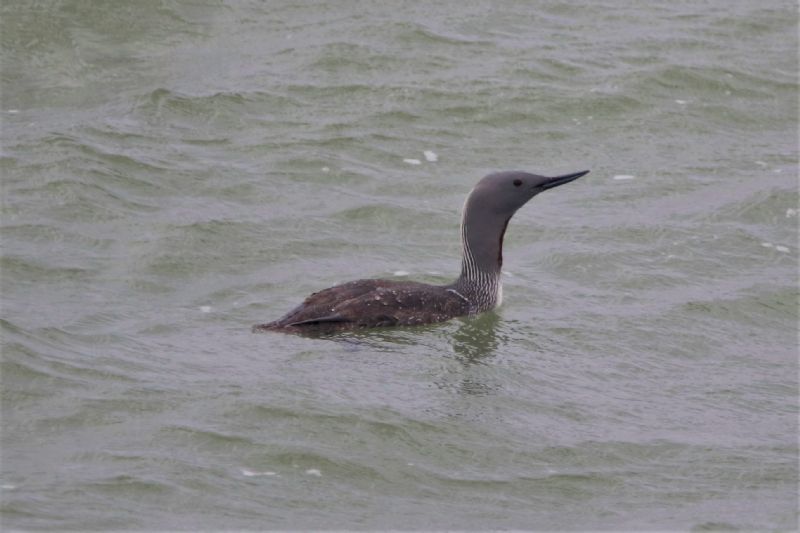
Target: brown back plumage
{"type": "Point", "coordinates": [370, 303]}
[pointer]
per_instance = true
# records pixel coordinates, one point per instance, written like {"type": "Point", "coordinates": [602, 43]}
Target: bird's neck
{"type": "Point", "coordinates": [481, 263]}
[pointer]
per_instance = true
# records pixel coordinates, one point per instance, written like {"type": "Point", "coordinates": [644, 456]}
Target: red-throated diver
{"type": "Point", "coordinates": [370, 303]}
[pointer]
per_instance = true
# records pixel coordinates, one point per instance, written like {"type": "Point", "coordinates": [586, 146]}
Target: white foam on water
{"type": "Point", "coordinates": [8, 486]}
{"type": "Point", "coordinates": [412, 161]}
{"type": "Point", "coordinates": [12, 111]}
{"type": "Point", "coordinates": [250, 473]}
{"type": "Point", "coordinates": [791, 213]}
{"type": "Point", "coordinates": [205, 308]}
{"type": "Point", "coordinates": [778, 247]}
{"type": "Point", "coordinates": [313, 472]}
{"type": "Point", "coordinates": [681, 102]}
{"type": "Point", "coordinates": [623, 177]}
{"type": "Point", "coordinates": [401, 273]}
{"type": "Point", "coordinates": [431, 156]}
{"type": "Point", "coordinates": [326, 169]}
{"type": "Point", "coordinates": [761, 163]}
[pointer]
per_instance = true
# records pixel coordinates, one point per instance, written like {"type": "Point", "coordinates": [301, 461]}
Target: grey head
{"type": "Point", "coordinates": [490, 206]}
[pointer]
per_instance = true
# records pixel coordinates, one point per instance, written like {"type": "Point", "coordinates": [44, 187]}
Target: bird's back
{"type": "Point", "coordinates": [370, 303]}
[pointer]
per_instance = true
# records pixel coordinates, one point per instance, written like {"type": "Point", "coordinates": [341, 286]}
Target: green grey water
{"type": "Point", "coordinates": [174, 172]}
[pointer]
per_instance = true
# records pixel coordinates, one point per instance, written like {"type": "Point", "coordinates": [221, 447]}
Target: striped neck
{"type": "Point", "coordinates": [479, 282]}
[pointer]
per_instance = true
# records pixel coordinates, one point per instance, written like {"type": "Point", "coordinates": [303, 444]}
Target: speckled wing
{"type": "Point", "coordinates": [372, 303]}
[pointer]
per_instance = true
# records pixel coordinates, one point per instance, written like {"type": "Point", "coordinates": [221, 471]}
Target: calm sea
{"type": "Point", "coordinates": [176, 171]}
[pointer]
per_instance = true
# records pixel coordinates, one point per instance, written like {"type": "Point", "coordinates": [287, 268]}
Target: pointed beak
{"type": "Point", "coordinates": [561, 180]}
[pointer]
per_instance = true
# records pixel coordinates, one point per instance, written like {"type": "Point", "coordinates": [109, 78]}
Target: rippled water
{"type": "Point", "coordinates": [176, 172]}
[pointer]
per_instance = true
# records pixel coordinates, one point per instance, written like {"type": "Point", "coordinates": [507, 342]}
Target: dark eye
{"type": "Point", "coordinates": [517, 182]}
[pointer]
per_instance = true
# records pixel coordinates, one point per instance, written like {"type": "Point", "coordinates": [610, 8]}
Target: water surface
{"type": "Point", "coordinates": [176, 172]}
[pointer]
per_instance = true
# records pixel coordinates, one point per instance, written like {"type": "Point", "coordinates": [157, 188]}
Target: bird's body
{"type": "Point", "coordinates": [370, 303]}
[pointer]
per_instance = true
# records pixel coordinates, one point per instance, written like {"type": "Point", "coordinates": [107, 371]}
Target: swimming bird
{"type": "Point", "coordinates": [370, 303]}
